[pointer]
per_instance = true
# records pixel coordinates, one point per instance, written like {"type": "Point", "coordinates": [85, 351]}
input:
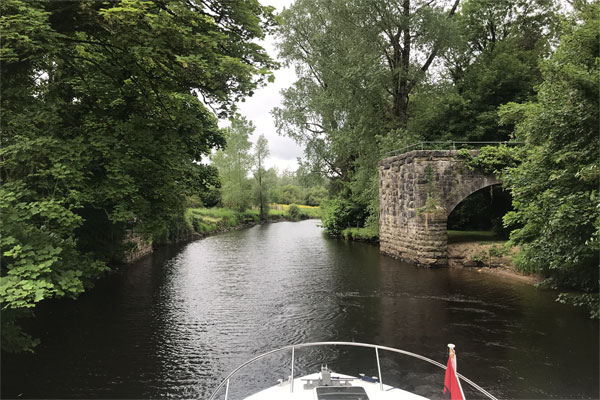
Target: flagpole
{"type": "Point", "coordinates": [451, 348]}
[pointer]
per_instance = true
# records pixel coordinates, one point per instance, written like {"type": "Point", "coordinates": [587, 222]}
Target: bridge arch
{"type": "Point", "coordinates": [417, 192]}
{"type": "Point", "coordinates": [465, 191]}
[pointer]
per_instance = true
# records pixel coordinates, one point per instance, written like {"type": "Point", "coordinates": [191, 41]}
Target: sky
{"type": "Point", "coordinates": [283, 150]}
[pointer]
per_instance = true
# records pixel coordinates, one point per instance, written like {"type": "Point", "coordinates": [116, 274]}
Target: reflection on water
{"type": "Point", "coordinates": [173, 324]}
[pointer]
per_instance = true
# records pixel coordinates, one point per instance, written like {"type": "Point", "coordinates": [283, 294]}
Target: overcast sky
{"type": "Point", "coordinates": [283, 150]}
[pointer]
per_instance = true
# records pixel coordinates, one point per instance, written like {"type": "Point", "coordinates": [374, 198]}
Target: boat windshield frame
{"type": "Point", "coordinates": [293, 347]}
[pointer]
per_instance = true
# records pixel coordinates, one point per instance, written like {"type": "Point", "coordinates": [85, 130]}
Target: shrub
{"type": "Point", "coordinates": [338, 214]}
{"type": "Point", "coordinates": [294, 211]}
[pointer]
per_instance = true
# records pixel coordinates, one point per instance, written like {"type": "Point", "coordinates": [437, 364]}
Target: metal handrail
{"type": "Point", "coordinates": [293, 347]}
{"type": "Point", "coordinates": [453, 143]}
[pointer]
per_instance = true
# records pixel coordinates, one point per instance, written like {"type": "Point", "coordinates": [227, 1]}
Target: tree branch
{"type": "Point", "coordinates": [436, 46]}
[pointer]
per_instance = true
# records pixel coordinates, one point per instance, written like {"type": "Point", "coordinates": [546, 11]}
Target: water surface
{"type": "Point", "coordinates": [175, 323]}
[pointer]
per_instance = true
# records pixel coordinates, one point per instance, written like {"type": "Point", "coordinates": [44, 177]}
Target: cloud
{"type": "Point", "coordinates": [283, 150]}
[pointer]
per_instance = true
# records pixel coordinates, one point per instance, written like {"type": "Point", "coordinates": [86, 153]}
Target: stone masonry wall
{"type": "Point", "coordinates": [417, 192]}
{"type": "Point", "coordinates": [136, 246]}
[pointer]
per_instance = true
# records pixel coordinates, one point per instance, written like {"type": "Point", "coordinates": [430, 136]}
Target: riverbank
{"type": "Point", "coordinates": [366, 234]}
{"type": "Point", "coordinates": [481, 250]}
{"type": "Point", "coordinates": [207, 221]}
{"type": "Point", "coordinates": [490, 258]}
{"type": "Point", "coordinates": [486, 252]}
{"type": "Point", "coordinates": [202, 222]}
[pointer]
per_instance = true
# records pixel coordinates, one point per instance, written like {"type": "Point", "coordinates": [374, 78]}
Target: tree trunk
{"type": "Point", "coordinates": [401, 63]}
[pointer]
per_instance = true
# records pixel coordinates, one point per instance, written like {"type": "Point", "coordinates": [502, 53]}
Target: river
{"type": "Point", "coordinates": [173, 324]}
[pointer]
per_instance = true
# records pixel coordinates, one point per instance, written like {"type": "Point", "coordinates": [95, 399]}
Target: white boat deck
{"type": "Point", "coordinates": [303, 390]}
{"type": "Point", "coordinates": [328, 385]}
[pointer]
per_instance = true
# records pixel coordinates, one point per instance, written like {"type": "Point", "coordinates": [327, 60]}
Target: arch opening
{"type": "Point", "coordinates": [480, 214]}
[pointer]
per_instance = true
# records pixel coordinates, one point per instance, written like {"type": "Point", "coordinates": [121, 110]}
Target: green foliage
{"type": "Point", "coordinates": [206, 221]}
{"type": "Point", "coordinates": [486, 255]}
{"type": "Point", "coordinates": [306, 212]}
{"type": "Point", "coordinates": [193, 201]}
{"type": "Point", "coordinates": [40, 257]}
{"type": "Point", "coordinates": [102, 129]}
{"type": "Point", "coordinates": [591, 301]}
{"type": "Point", "coordinates": [495, 251]}
{"type": "Point", "coordinates": [234, 163]}
{"type": "Point", "coordinates": [290, 194]}
{"type": "Point", "coordinates": [14, 340]}
{"type": "Point", "coordinates": [480, 257]}
{"type": "Point", "coordinates": [354, 81]}
{"type": "Point", "coordinates": [294, 211]}
{"type": "Point", "coordinates": [555, 189]}
{"type": "Point", "coordinates": [338, 214]}
{"type": "Point", "coordinates": [261, 176]}
{"type": "Point", "coordinates": [493, 59]}
{"type": "Point", "coordinates": [432, 206]}
{"type": "Point", "coordinates": [211, 195]}
{"type": "Point", "coordinates": [210, 220]}
{"type": "Point", "coordinates": [366, 234]}
{"type": "Point", "coordinates": [351, 105]}
{"type": "Point", "coordinates": [493, 159]}
{"type": "Point", "coordinates": [309, 212]}
{"type": "Point", "coordinates": [315, 196]}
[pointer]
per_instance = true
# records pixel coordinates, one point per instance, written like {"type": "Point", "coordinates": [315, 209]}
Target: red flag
{"type": "Point", "coordinates": [452, 388]}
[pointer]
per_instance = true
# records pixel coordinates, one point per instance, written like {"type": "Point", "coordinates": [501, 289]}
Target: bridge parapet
{"type": "Point", "coordinates": [417, 192]}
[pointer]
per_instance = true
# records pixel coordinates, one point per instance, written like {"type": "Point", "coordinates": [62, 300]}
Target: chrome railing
{"type": "Point", "coordinates": [448, 145]}
{"type": "Point", "coordinates": [225, 381]}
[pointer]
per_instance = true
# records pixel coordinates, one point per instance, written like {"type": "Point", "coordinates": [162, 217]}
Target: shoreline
{"type": "Point", "coordinates": [482, 257]}
{"type": "Point", "coordinates": [510, 274]}
{"type": "Point", "coordinates": [145, 249]}
{"type": "Point", "coordinates": [489, 258]}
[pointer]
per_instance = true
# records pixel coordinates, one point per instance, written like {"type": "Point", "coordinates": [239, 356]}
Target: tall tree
{"type": "Point", "coordinates": [234, 163]}
{"type": "Point", "coordinates": [102, 128]}
{"type": "Point", "coordinates": [555, 190]}
{"type": "Point", "coordinates": [357, 62]}
{"type": "Point", "coordinates": [261, 152]}
{"type": "Point", "coordinates": [493, 59]}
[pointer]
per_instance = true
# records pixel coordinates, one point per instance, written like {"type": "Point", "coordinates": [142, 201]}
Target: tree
{"type": "Point", "coordinates": [261, 193]}
{"type": "Point", "coordinates": [315, 195]}
{"type": "Point", "coordinates": [290, 194]}
{"type": "Point", "coordinates": [492, 61]}
{"type": "Point", "coordinates": [102, 129]}
{"type": "Point", "coordinates": [234, 163]}
{"type": "Point", "coordinates": [555, 190]}
{"type": "Point", "coordinates": [358, 64]}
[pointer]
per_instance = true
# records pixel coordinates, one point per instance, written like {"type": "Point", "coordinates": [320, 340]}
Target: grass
{"type": "Point", "coordinates": [368, 234]}
{"type": "Point", "coordinates": [305, 211]}
{"type": "Point", "coordinates": [210, 220]}
{"type": "Point", "coordinates": [474, 236]}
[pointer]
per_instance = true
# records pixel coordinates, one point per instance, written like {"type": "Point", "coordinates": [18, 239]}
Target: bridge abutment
{"type": "Point", "coordinates": [417, 192]}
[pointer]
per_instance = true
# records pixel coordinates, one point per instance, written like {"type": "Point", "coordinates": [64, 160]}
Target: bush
{"type": "Point", "coordinates": [294, 211]}
{"type": "Point", "coordinates": [367, 234]}
{"type": "Point", "coordinates": [211, 196]}
{"type": "Point", "coordinates": [338, 214]}
{"type": "Point", "coordinates": [315, 196]}
{"type": "Point", "coordinates": [290, 194]}
{"type": "Point", "coordinates": [193, 201]}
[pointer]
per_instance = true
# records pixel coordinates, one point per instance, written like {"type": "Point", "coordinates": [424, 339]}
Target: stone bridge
{"type": "Point", "coordinates": [417, 192]}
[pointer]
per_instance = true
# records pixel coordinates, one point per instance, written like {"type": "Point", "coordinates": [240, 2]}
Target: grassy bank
{"type": "Point", "coordinates": [306, 212]}
{"type": "Point", "coordinates": [205, 221]}
{"type": "Point", "coordinates": [367, 234]}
